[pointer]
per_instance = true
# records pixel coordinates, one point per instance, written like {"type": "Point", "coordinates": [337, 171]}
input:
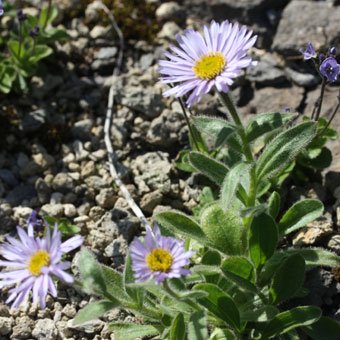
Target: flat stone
{"type": "Point", "coordinates": [266, 72]}
{"type": "Point", "coordinates": [304, 21]}
{"type": "Point", "coordinates": [269, 99]}
{"type": "Point", "coordinates": [222, 9]}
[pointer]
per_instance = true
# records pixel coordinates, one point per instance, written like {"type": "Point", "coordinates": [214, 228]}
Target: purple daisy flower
{"type": "Point", "coordinates": [201, 62]}
{"type": "Point", "coordinates": [31, 263]}
{"type": "Point", "coordinates": [330, 69]}
{"type": "Point", "coordinates": [309, 52]}
{"type": "Point", "coordinates": [159, 257]}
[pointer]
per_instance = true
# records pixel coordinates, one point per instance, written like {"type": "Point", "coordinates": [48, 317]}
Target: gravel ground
{"type": "Point", "coordinates": [53, 156]}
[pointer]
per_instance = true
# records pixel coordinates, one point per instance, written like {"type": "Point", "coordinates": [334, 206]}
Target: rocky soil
{"type": "Point", "coordinates": [53, 156]}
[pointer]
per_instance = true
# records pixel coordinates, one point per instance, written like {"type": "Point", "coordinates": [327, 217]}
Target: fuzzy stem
{"type": "Point", "coordinates": [187, 121]}
{"type": "Point", "coordinates": [228, 103]}
{"type": "Point", "coordinates": [168, 289]}
{"type": "Point", "coordinates": [320, 100]}
{"type": "Point", "coordinates": [332, 117]}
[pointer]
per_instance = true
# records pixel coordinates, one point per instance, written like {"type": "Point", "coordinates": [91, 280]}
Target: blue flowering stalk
{"type": "Point", "coordinates": [1, 8]}
{"type": "Point", "coordinates": [204, 62]}
{"type": "Point", "coordinates": [159, 257]}
{"type": "Point", "coordinates": [33, 262]}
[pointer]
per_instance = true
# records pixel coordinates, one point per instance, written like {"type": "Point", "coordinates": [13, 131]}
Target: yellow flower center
{"type": "Point", "coordinates": [209, 65]}
{"type": "Point", "coordinates": [39, 259]}
{"type": "Point", "coordinates": [159, 260]}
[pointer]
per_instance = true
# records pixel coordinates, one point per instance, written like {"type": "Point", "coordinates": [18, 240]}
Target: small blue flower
{"type": "Point", "coordinates": [330, 69]}
{"type": "Point", "coordinates": [1, 8]}
{"type": "Point", "coordinates": [309, 52]}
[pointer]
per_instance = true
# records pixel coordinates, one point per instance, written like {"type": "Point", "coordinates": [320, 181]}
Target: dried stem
{"type": "Point", "coordinates": [108, 122]}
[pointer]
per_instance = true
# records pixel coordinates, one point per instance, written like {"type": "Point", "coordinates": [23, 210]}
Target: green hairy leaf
{"type": "Point", "coordinates": [217, 128]}
{"type": "Point", "coordinates": [261, 314]}
{"type": "Point", "coordinates": [222, 334]}
{"type": "Point", "coordinates": [199, 144]}
{"type": "Point", "coordinates": [208, 166]}
{"type": "Point", "coordinates": [90, 272]}
{"type": "Point", "coordinates": [198, 326]}
{"type": "Point", "coordinates": [263, 238]}
{"type": "Point", "coordinates": [230, 184]}
{"type": "Point", "coordinates": [274, 204]}
{"type": "Point", "coordinates": [286, 321]}
{"type": "Point", "coordinates": [132, 331]}
{"type": "Point", "coordinates": [220, 304]}
{"type": "Point", "coordinates": [324, 329]}
{"type": "Point", "coordinates": [284, 148]}
{"type": "Point", "coordinates": [299, 215]}
{"type": "Point", "coordinates": [180, 223]}
{"type": "Point", "coordinates": [177, 330]}
{"type": "Point", "coordinates": [266, 122]}
{"type": "Point", "coordinates": [94, 311]}
{"type": "Point", "coordinates": [312, 256]}
{"type": "Point", "coordinates": [240, 266]}
{"type": "Point", "coordinates": [288, 279]}
{"type": "Point", "coordinates": [224, 230]}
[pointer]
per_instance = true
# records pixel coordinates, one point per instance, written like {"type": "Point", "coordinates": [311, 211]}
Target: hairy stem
{"type": "Point", "coordinates": [187, 120]}
{"type": "Point", "coordinates": [320, 99]}
{"type": "Point", "coordinates": [168, 289]}
{"type": "Point", "coordinates": [228, 103]}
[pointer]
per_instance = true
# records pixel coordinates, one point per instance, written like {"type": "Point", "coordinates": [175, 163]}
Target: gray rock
{"type": "Point", "coordinates": [268, 99]}
{"type": "Point", "coordinates": [23, 328]}
{"type": "Point", "coordinates": [117, 250]}
{"type": "Point", "coordinates": [45, 329]}
{"type": "Point", "coordinates": [318, 24]}
{"type": "Point", "coordinates": [82, 129]}
{"type": "Point", "coordinates": [169, 30]}
{"type": "Point", "coordinates": [106, 198]}
{"type": "Point", "coordinates": [42, 87]}
{"type": "Point", "coordinates": [150, 200]}
{"type": "Point", "coordinates": [266, 72]}
{"type": "Point", "coordinates": [43, 191]}
{"type": "Point", "coordinates": [95, 182]}
{"type": "Point", "coordinates": [43, 160]}
{"type": "Point", "coordinates": [62, 182]}
{"type": "Point", "coordinates": [88, 169]}
{"type": "Point", "coordinates": [54, 210]}
{"type": "Point", "coordinates": [24, 192]}
{"type": "Point", "coordinates": [8, 177]}
{"type": "Point", "coordinates": [146, 100]}
{"type": "Point", "coordinates": [170, 11]}
{"type": "Point", "coordinates": [302, 79]}
{"type": "Point", "coordinates": [105, 53]}
{"type": "Point", "coordinates": [334, 244]}
{"type": "Point", "coordinates": [5, 325]}
{"type": "Point", "coordinates": [56, 198]}
{"type": "Point", "coordinates": [222, 9]}
{"type": "Point", "coordinates": [79, 150]}
{"type": "Point", "coordinates": [100, 32]}
{"type": "Point", "coordinates": [164, 130]}
{"type": "Point", "coordinates": [33, 121]}
{"type": "Point", "coordinates": [152, 172]}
